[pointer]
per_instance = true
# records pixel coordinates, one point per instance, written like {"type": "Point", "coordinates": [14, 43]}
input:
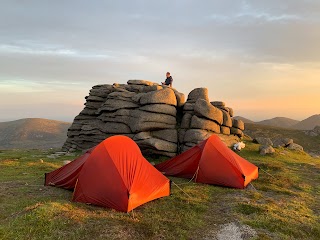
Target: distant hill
{"type": "Point", "coordinates": [284, 122]}
{"type": "Point", "coordinates": [245, 120]}
{"type": "Point", "coordinates": [279, 122]}
{"type": "Point", "coordinates": [309, 123]}
{"type": "Point", "coordinates": [34, 133]}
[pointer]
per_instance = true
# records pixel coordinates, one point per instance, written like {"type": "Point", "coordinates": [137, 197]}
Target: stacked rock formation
{"type": "Point", "coordinates": [202, 118]}
{"type": "Point", "coordinates": [157, 117]}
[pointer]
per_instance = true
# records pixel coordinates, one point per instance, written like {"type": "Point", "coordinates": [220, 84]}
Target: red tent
{"type": "Point", "coordinates": [114, 174]}
{"type": "Point", "coordinates": [67, 176]}
{"type": "Point", "coordinates": [211, 162]}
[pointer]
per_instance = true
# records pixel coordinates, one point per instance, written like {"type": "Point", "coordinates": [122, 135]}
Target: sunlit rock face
{"type": "Point", "coordinates": [158, 118]}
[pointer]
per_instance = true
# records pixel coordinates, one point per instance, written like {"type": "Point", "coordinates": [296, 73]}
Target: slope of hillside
{"type": "Point", "coordinates": [308, 123]}
{"type": "Point", "coordinates": [279, 122]}
{"type": "Point", "coordinates": [245, 120]}
{"type": "Point", "coordinates": [310, 144]}
{"type": "Point", "coordinates": [33, 133]}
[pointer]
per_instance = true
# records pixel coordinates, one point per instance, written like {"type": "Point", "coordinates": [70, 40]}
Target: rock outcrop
{"type": "Point", "coordinates": [313, 133]}
{"type": "Point", "coordinates": [266, 149]}
{"type": "Point", "coordinates": [295, 146]}
{"type": "Point", "coordinates": [263, 141]}
{"type": "Point", "coordinates": [282, 142]}
{"type": "Point", "coordinates": [266, 144]}
{"type": "Point", "coordinates": [157, 117]}
{"type": "Point", "coordinates": [202, 118]}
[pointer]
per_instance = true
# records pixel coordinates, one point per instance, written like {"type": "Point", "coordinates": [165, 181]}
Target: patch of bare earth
{"type": "Point", "coordinates": [221, 223]}
{"type": "Point", "coordinates": [235, 231]}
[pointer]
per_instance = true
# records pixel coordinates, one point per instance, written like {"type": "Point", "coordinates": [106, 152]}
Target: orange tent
{"type": "Point", "coordinates": [114, 174]}
{"type": "Point", "coordinates": [67, 176]}
{"type": "Point", "coordinates": [211, 162]}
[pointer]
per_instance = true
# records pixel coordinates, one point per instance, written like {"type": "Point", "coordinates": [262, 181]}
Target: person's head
{"type": "Point", "coordinates": [168, 74]}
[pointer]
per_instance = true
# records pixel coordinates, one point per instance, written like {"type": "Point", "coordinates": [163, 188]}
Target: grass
{"type": "Point", "coordinates": [285, 203]}
{"type": "Point", "coordinates": [289, 198]}
{"type": "Point", "coordinates": [28, 210]}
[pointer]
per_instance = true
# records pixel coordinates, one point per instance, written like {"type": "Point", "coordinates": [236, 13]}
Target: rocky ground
{"type": "Point", "coordinates": [313, 133]}
{"type": "Point", "coordinates": [270, 137]}
{"type": "Point", "coordinates": [267, 145]}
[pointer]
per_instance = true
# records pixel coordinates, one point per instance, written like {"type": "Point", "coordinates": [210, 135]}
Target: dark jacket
{"type": "Point", "coordinates": [168, 81]}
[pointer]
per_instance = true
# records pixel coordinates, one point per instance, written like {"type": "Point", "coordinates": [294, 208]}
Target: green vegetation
{"type": "Point", "coordinates": [287, 202]}
{"type": "Point", "coordinates": [28, 210]}
{"type": "Point", "coordinates": [283, 204]}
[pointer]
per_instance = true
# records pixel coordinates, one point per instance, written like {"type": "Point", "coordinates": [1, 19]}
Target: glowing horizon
{"type": "Point", "coordinates": [261, 58]}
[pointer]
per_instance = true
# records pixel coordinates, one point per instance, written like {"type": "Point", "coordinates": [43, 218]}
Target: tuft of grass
{"type": "Point", "coordinates": [247, 209]}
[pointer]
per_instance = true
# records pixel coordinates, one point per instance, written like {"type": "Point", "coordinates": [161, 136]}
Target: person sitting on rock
{"type": "Point", "coordinates": [168, 81]}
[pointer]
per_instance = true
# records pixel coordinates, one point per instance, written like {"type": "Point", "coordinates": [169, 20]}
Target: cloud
{"type": "Point", "coordinates": [68, 46]}
{"type": "Point", "coordinates": [51, 50]}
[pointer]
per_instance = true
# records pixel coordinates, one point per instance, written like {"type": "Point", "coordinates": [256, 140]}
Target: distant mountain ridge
{"type": "Point", "coordinates": [308, 123]}
{"type": "Point", "coordinates": [284, 122]}
{"type": "Point", "coordinates": [245, 120]}
{"type": "Point", "coordinates": [33, 133]}
{"type": "Point", "coordinates": [279, 122]}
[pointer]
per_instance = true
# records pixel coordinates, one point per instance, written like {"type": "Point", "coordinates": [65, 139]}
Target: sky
{"type": "Point", "coordinates": [260, 57]}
